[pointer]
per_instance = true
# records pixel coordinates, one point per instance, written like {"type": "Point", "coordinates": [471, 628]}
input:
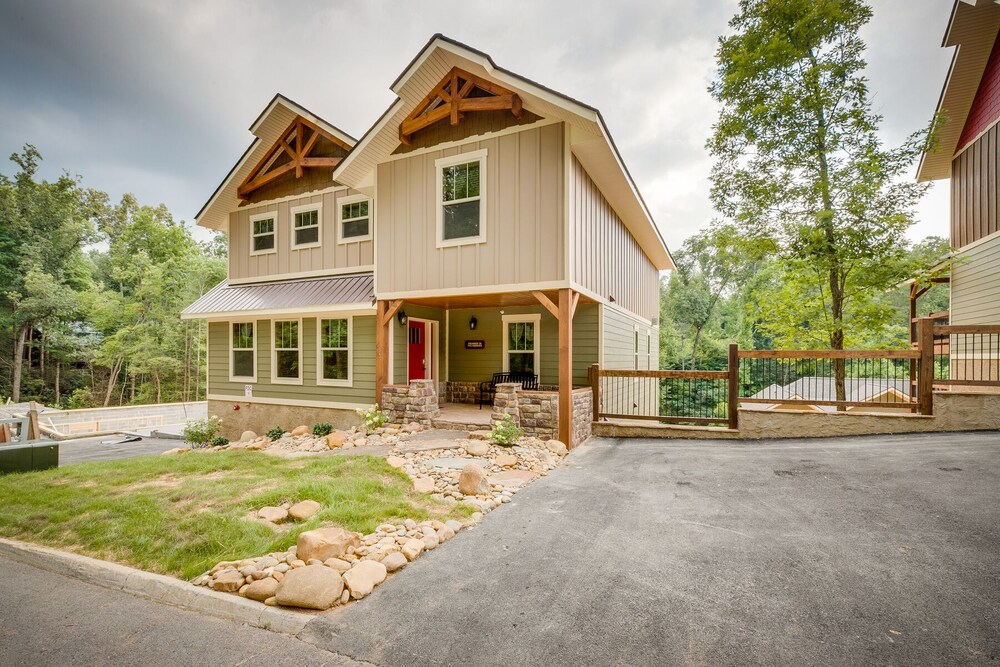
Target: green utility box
{"type": "Point", "coordinates": [29, 456]}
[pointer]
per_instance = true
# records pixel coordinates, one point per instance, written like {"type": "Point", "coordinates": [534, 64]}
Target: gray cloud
{"type": "Point", "coordinates": [155, 98]}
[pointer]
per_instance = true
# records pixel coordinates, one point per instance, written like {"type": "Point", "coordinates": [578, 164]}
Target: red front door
{"type": "Point", "coordinates": [417, 348]}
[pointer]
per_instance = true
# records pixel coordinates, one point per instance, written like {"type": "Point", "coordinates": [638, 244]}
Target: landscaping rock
{"type": "Point", "coordinates": [247, 436]}
{"type": "Point", "coordinates": [273, 514]}
{"type": "Point", "coordinates": [229, 581]}
{"type": "Point", "coordinates": [445, 533]}
{"type": "Point", "coordinates": [176, 450]}
{"type": "Point", "coordinates": [336, 439]}
{"type": "Point", "coordinates": [453, 524]}
{"type": "Point", "coordinates": [337, 564]}
{"type": "Point", "coordinates": [301, 511]}
{"type": "Point", "coordinates": [430, 541]}
{"type": "Point", "coordinates": [505, 460]}
{"type": "Point", "coordinates": [324, 543]}
{"type": "Point", "coordinates": [556, 447]}
{"type": "Point", "coordinates": [411, 548]}
{"type": "Point", "coordinates": [472, 480]}
{"type": "Point", "coordinates": [364, 577]}
{"type": "Point", "coordinates": [261, 589]}
{"type": "Point", "coordinates": [310, 587]}
{"type": "Point", "coordinates": [395, 461]}
{"type": "Point", "coordinates": [478, 447]}
{"type": "Point", "coordinates": [423, 485]}
{"type": "Point", "coordinates": [300, 430]}
{"type": "Point", "coordinates": [481, 435]}
{"type": "Point", "coordinates": [394, 561]}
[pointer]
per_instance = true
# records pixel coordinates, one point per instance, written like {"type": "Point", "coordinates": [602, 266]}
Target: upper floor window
{"type": "Point", "coordinates": [354, 220]}
{"type": "Point", "coordinates": [334, 352]}
{"type": "Point", "coordinates": [286, 361]}
{"type": "Point", "coordinates": [461, 186]}
{"type": "Point", "coordinates": [306, 225]}
{"type": "Point", "coordinates": [262, 235]}
{"type": "Point", "coordinates": [243, 362]}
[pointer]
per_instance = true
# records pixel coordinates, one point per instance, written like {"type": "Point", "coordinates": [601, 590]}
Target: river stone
{"type": "Point", "coordinates": [300, 430]}
{"type": "Point", "coordinates": [411, 548]}
{"type": "Point", "coordinates": [477, 447]}
{"type": "Point", "coordinates": [229, 581]}
{"type": "Point", "coordinates": [456, 463]}
{"type": "Point", "coordinates": [310, 587]}
{"type": "Point", "coordinates": [177, 450]}
{"type": "Point", "coordinates": [273, 514]}
{"type": "Point", "coordinates": [472, 481]}
{"type": "Point", "coordinates": [556, 447]}
{"type": "Point", "coordinates": [395, 461]}
{"type": "Point", "coordinates": [261, 589]}
{"type": "Point", "coordinates": [364, 577]}
{"type": "Point", "coordinates": [394, 561]}
{"type": "Point", "coordinates": [505, 460]}
{"type": "Point", "coordinates": [423, 485]}
{"type": "Point", "coordinates": [337, 564]}
{"type": "Point", "coordinates": [301, 511]}
{"type": "Point", "coordinates": [445, 533]}
{"type": "Point", "coordinates": [453, 524]}
{"type": "Point", "coordinates": [247, 436]}
{"type": "Point", "coordinates": [324, 543]}
{"type": "Point", "coordinates": [336, 439]}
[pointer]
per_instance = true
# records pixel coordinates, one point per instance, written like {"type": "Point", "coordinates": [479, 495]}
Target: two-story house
{"type": "Point", "coordinates": [484, 224]}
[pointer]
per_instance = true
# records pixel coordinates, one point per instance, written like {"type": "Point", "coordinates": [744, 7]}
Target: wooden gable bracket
{"type": "Point", "coordinates": [294, 142]}
{"type": "Point", "coordinates": [450, 99]}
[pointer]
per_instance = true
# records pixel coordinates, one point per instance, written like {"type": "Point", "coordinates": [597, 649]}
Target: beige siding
{"type": "Point", "coordinates": [607, 259]}
{"type": "Point", "coordinates": [524, 218]}
{"type": "Point", "coordinates": [975, 284]}
{"type": "Point", "coordinates": [362, 391]}
{"type": "Point", "coordinates": [330, 257]}
{"type": "Point", "coordinates": [619, 340]}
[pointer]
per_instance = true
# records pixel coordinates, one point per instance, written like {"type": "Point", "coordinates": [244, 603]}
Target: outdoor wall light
{"type": "Point", "coordinates": [401, 316]}
{"type": "Point", "coordinates": [473, 323]}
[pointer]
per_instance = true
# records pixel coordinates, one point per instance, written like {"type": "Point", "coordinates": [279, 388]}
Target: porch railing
{"type": "Point", "coordinates": [967, 356]}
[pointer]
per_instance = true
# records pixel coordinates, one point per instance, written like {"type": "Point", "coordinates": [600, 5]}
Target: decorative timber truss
{"type": "Point", "coordinates": [292, 152]}
{"type": "Point", "coordinates": [457, 93]}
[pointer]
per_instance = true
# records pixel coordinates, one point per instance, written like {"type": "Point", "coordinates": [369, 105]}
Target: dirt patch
{"type": "Point", "coordinates": [165, 481]}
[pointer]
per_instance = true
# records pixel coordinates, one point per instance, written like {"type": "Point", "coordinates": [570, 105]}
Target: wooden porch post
{"type": "Point", "coordinates": [925, 372]}
{"type": "Point", "coordinates": [567, 304]}
{"type": "Point", "coordinates": [381, 351]}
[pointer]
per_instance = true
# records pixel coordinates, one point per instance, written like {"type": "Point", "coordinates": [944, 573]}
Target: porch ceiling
{"type": "Point", "coordinates": [489, 300]}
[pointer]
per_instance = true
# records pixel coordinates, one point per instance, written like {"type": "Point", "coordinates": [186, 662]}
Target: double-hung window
{"type": "Point", "coordinates": [354, 219]}
{"type": "Point", "coordinates": [286, 362]}
{"type": "Point", "coordinates": [262, 235]}
{"type": "Point", "coordinates": [334, 352]}
{"type": "Point", "coordinates": [461, 188]}
{"type": "Point", "coordinates": [306, 232]}
{"type": "Point", "coordinates": [243, 359]}
{"type": "Point", "coordinates": [521, 343]}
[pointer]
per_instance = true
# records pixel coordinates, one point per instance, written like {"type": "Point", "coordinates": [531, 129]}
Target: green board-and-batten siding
{"type": "Point", "coordinates": [361, 392]}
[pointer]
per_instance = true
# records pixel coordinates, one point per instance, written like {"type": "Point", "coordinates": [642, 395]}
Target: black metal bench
{"type": "Point", "coordinates": [488, 389]}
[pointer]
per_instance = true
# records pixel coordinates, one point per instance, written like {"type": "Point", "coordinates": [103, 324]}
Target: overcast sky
{"type": "Point", "coordinates": [155, 98]}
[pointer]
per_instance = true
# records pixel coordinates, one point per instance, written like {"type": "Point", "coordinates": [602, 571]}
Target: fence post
{"type": "Point", "coordinates": [925, 376]}
{"type": "Point", "coordinates": [595, 386]}
{"type": "Point", "coordinates": [734, 386]}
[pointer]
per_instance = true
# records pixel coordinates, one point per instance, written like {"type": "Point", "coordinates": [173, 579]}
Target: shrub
{"type": "Point", "coordinates": [201, 432]}
{"type": "Point", "coordinates": [322, 428]}
{"type": "Point", "coordinates": [275, 433]}
{"type": "Point", "coordinates": [373, 417]}
{"type": "Point", "coordinates": [220, 441]}
{"type": "Point", "coordinates": [506, 432]}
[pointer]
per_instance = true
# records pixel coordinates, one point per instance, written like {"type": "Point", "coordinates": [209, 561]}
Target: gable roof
{"type": "Point", "coordinates": [973, 29]}
{"type": "Point", "coordinates": [824, 389]}
{"type": "Point", "coordinates": [267, 128]}
{"type": "Point", "coordinates": [591, 141]}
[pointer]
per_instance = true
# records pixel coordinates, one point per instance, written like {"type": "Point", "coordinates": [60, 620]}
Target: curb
{"type": "Point", "coordinates": [156, 587]}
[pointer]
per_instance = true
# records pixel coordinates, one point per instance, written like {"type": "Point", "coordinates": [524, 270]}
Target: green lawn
{"type": "Point", "coordinates": [180, 515]}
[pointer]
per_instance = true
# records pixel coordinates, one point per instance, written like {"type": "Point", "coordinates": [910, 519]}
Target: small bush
{"type": "Point", "coordinates": [373, 417]}
{"type": "Point", "coordinates": [506, 432]}
{"type": "Point", "coordinates": [275, 433]}
{"type": "Point", "coordinates": [201, 432]}
{"type": "Point", "coordinates": [322, 428]}
{"type": "Point", "coordinates": [220, 441]}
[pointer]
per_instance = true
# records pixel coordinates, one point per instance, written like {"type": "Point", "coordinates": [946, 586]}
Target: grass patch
{"type": "Point", "coordinates": [179, 515]}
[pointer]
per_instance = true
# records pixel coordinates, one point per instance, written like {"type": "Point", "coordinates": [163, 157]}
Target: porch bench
{"type": "Point", "coordinates": [489, 388]}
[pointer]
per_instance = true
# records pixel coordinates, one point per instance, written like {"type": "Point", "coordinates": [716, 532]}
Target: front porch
{"type": "Point", "coordinates": [433, 353]}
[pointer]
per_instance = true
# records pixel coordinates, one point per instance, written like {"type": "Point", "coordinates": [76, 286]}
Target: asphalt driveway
{"type": "Point", "coordinates": [879, 550]}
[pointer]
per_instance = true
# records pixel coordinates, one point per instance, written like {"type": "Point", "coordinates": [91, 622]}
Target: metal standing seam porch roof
{"type": "Point", "coordinates": [349, 292]}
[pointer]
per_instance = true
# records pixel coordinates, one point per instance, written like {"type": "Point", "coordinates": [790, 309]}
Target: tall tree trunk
{"type": "Point", "coordinates": [57, 387]}
{"type": "Point", "coordinates": [116, 367]}
{"type": "Point", "coordinates": [694, 348]}
{"type": "Point", "coordinates": [41, 359]}
{"type": "Point", "coordinates": [15, 380]}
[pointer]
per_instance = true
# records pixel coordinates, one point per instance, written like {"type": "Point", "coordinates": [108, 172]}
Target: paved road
{"type": "Point", "coordinates": [95, 449]}
{"type": "Point", "coordinates": [882, 550]}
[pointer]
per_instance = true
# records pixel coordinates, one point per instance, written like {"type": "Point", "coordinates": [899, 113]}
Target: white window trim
{"type": "Point", "coordinates": [274, 352]}
{"type": "Point", "coordinates": [439, 166]}
{"type": "Point", "coordinates": [536, 318]}
{"type": "Point", "coordinates": [319, 225]}
{"type": "Point", "coordinates": [320, 380]}
{"type": "Point", "coordinates": [353, 199]}
{"type": "Point", "coordinates": [240, 378]}
{"type": "Point", "coordinates": [270, 215]}
{"type": "Point", "coordinates": [635, 348]}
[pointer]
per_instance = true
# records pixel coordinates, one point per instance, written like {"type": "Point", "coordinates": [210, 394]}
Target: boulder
{"type": "Point", "coordinates": [324, 543]}
{"type": "Point", "coordinates": [477, 447]}
{"type": "Point", "coordinates": [430, 540]}
{"type": "Point", "coordinates": [336, 439]}
{"type": "Point", "coordinates": [411, 548]}
{"type": "Point", "coordinates": [310, 587]}
{"type": "Point", "coordinates": [337, 564]}
{"type": "Point", "coordinates": [177, 450]}
{"type": "Point", "coordinates": [445, 533]}
{"type": "Point", "coordinates": [481, 435]}
{"type": "Point", "coordinates": [273, 514]}
{"type": "Point", "coordinates": [364, 577]}
{"type": "Point", "coordinates": [556, 447]}
{"type": "Point", "coordinates": [301, 511]}
{"type": "Point", "coordinates": [261, 589]}
{"type": "Point", "coordinates": [395, 461]}
{"type": "Point", "coordinates": [300, 430]}
{"type": "Point", "coordinates": [472, 480]}
{"type": "Point", "coordinates": [505, 460]}
{"type": "Point", "coordinates": [247, 436]}
{"type": "Point", "coordinates": [229, 581]}
{"type": "Point", "coordinates": [394, 561]}
{"type": "Point", "coordinates": [423, 485]}
{"type": "Point", "coordinates": [256, 446]}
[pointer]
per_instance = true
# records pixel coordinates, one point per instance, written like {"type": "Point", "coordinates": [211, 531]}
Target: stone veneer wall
{"type": "Point", "coordinates": [462, 392]}
{"type": "Point", "coordinates": [583, 415]}
{"type": "Point", "coordinates": [537, 412]}
{"type": "Point", "coordinates": [416, 402]}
